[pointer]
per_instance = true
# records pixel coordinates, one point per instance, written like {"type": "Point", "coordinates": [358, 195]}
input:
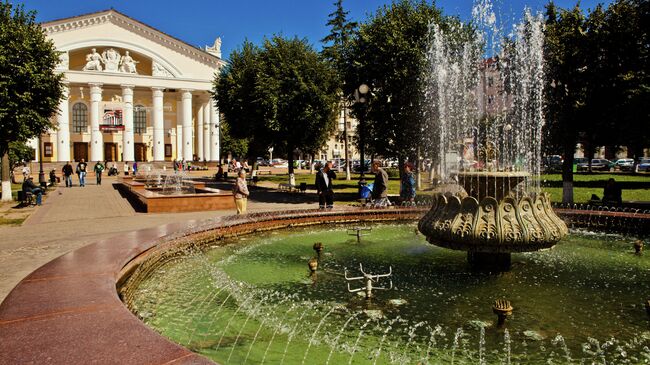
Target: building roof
{"type": "Point", "coordinates": [50, 27]}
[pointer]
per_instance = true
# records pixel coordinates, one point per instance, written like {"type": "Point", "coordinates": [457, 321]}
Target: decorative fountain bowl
{"type": "Point", "coordinates": [493, 218]}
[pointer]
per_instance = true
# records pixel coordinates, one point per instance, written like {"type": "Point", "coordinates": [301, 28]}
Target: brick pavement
{"type": "Point", "coordinates": [74, 217]}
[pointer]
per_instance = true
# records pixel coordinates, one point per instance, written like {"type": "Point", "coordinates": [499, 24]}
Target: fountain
{"type": "Point", "coordinates": [160, 190]}
{"type": "Point", "coordinates": [492, 156]}
{"type": "Point", "coordinates": [239, 299]}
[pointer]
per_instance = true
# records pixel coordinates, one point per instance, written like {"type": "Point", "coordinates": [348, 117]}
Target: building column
{"type": "Point", "coordinates": [199, 133]}
{"type": "Point", "coordinates": [214, 132]}
{"type": "Point", "coordinates": [96, 137]}
{"type": "Point", "coordinates": [206, 131]}
{"type": "Point", "coordinates": [63, 122]}
{"type": "Point", "coordinates": [186, 98]}
{"type": "Point", "coordinates": [158, 125]}
{"type": "Point", "coordinates": [128, 149]}
{"type": "Point", "coordinates": [179, 130]}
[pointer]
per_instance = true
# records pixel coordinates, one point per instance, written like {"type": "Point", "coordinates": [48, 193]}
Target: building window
{"type": "Point", "coordinates": [139, 119]}
{"type": "Point", "coordinates": [47, 149]}
{"type": "Point", "coordinates": [168, 150]}
{"type": "Point", "coordinates": [79, 118]}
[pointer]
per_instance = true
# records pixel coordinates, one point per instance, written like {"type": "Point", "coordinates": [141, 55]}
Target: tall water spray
{"type": "Point", "coordinates": [484, 91]}
{"type": "Point", "coordinates": [485, 95]}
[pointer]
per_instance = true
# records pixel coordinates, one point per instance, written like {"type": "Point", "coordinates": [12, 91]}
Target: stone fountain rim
{"type": "Point", "coordinates": [72, 302]}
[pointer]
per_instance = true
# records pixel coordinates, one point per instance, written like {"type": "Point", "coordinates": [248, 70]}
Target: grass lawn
{"type": "Point", "coordinates": [635, 186]}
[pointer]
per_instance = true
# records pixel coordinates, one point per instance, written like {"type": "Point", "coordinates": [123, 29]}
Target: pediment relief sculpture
{"type": "Point", "coordinates": [110, 61]}
{"type": "Point", "coordinates": [159, 70]}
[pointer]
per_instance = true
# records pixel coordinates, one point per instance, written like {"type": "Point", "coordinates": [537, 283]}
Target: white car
{"type": "Point", "coordinates": [624, 164]}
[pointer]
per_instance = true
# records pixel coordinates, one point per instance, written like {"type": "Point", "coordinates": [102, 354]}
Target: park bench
{"type": "Point", "coordinates": [286, 187]}
{"type": "Point", "coordinates": [26, 197]}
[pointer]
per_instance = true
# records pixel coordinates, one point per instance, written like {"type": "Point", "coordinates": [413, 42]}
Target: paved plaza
{"type": "Point", "coordinates": [74, 217]}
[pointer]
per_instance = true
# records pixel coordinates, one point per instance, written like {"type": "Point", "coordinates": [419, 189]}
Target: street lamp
{"type": "Point", "coordinates": [41, 173]}
{"type": "Point", "coordinates": [360, 95]}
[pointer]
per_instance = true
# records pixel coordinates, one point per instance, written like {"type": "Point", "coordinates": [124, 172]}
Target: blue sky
{"type": "Point", "coordinates": [200, 22]}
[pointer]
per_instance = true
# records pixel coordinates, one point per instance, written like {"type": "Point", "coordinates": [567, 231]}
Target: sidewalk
{"type": "Point", "coordinates": [74, 217]}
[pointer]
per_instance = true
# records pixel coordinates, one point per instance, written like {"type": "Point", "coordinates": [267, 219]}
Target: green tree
{"type": "Point", "coordinates": [337, 44]}
{"type": "Point", "coordinates": [30, 90]}
{"type": "Point", "coordinates": [282, 95]}
{"type": "Point", "coordinates": [236, 146]}
{"type": "Point", "coordinates": [389, 56]}
{"type": "Point", "coordinates": [565, 40]}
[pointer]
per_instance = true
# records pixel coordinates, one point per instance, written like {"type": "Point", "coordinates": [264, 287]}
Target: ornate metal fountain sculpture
{"type": "Point", "coordinates": [359, 232]}
{"type": "Point", "coordinates": [369, 279]}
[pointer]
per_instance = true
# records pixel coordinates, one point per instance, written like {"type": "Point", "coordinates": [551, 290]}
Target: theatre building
{"type": "Point", "coordinates": [132, 93]}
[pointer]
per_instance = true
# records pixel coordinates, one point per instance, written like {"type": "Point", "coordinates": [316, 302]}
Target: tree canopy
{"type": "Point", "coordinates": [30, 89]}
{"type": "Point", "coordinates": [282, 95]}
{"type": "Point", "coordinates": [388, 55]}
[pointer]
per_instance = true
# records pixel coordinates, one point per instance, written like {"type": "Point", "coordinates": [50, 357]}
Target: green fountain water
{"type": "Point", "coordinates": [253, 300]}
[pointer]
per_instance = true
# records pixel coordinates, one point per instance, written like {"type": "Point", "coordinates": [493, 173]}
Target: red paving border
{"type": "Point", "coordinates": [68, 310]}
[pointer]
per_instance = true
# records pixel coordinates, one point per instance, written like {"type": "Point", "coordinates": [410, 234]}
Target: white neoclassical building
{"type": "Point", "coordinates": [133, 93]}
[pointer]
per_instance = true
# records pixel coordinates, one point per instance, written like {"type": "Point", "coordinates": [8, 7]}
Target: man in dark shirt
{"type": "Point", "coordinates": [29, 186]}
{"type": "Point", "coordinates": [612, 194]}
{"type": "Point", "coordinates": [67, 174]}
{"type": "Point", "coordinates": [81, 171]}
{"type": "Point", "coordinates": [324, 179]}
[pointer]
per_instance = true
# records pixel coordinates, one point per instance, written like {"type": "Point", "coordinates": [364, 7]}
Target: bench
{"type": "Point", "coordinates": [286, 187]}
{"type": "Point", "coordinates": [26, 197]}
{"type": "Point", "coordinates": [262, 172]}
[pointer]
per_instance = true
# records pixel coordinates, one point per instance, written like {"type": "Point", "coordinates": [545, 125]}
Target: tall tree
{"type": "Point", "coordinates": [565, 38]}
{"type": "Point", "coordinates": [282, 95]}
{"type": "Point", "coordinates": [389, 55]}
{"type": "Point", "coordinates": [30, 90]}
{"type": "Point", "coordinates": [336, 46]}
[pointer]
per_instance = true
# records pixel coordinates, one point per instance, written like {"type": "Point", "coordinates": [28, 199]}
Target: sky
{"type": "Point", "coordinates": [200, 22]}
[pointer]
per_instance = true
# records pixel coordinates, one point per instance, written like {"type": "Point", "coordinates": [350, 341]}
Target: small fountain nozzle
{"type": "Point", "coordinates": [313, 264]}
{"type": "Point", "coordinates": [318, 247]}
{"type": "Point", "coordinates": [638, 247]}
{"type": "Point", "coordinates": [502, 309]}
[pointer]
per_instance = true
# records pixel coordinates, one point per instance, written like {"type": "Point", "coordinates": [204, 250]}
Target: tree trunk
{"type": "Point", "coordinates": [345, 141]}
{"type": "Point", "coordinates": [6, 175]}
{"type": "Point", "coordinates": [567, 174]}
{"type": "Point", "coordinates": [290, 164]}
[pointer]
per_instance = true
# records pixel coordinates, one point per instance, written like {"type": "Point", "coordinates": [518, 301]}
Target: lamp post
{"type": "Point", "coordinates": [360, 97]}
{"type": "Point", "coordinates": [41, 173]}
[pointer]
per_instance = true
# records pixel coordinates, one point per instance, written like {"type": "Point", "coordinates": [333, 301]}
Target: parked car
{"type": "Point", "coordinates": [278, 162]}
{"type": "Point", "coordinates": [643, 165]}
{"type": "Point", "coordinates": [552, 163]}
{"type": "Point", "coordinates": [579, 160]}
{"type": "Point", "coordinates": [263, 162]}
{"type": "Point", "coordinates": [597, 164]}
{"type": "Point", "coordinates": [624, 164]}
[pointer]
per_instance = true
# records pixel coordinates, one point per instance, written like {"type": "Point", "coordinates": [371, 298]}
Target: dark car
{"type": "Point", "coordinates": [643, 165]}
{"type": "Point", "coordinates": [597, 164]}
{"type": "Point", "coordinates": [552, 163]}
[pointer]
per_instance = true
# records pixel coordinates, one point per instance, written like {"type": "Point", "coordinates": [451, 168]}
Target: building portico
{"type": "Point", "coordinates": [132, 93]}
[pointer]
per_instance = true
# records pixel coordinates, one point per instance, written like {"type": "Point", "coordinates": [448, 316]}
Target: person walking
{"type": "Point", "coordinates": [380, 186]}
{"type": "Point", "coordinates": [99, 168]}
{"type": "Point", "coordinates": [323, 183]}
{"type": "Point", "coordinates": [407, 187]}
{"type": "Point", "coordinates": [135, 167]}
{"type": "Point", "coordinates": [240, 191]}
{"type": "Point", "coordinates": [81, 171]}
{"type": "Point", "coordinates": [67, 174]}
{"type": "Point", "coordinates": [126, 169]}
